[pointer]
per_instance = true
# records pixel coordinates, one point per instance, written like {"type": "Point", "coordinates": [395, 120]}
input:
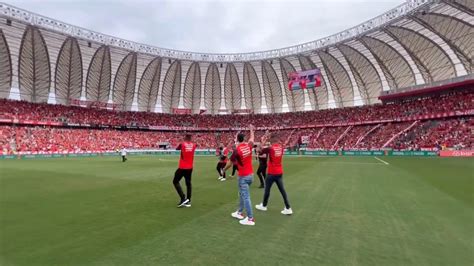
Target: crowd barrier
{"type": "Point", "coordinates": [461, 153]}
{"type": "Point", "coordinates": [211, 152]}
{"type": "Point", "coordinates": [368, 153]}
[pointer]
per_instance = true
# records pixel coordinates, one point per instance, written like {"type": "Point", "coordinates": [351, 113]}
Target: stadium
{"type": "Point", "coordinates": [376, 123]}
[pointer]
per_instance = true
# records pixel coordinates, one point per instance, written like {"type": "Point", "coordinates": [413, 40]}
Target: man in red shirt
{"type": "Point", "coordinates": [242, 157]}
{"type": "Point", "coordinates": [185, 169]}
{"type": "Point", "coordinates": [275, 173]}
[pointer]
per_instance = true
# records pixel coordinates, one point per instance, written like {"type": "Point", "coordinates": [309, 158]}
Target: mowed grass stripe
{"type": "Point", "coordinates": [218, 227]}
{"type": "Point", "coordinates": [347, 211]}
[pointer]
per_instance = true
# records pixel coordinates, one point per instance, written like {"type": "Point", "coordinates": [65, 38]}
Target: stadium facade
{"type": "Point", "coordinates": [420, 42]}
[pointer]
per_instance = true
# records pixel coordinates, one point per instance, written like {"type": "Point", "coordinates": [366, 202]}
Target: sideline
{"type": "Point", "coordinates": [381, 161]}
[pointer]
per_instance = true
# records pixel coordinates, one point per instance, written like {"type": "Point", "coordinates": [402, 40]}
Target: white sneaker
{"type": "Point", "coordinates": [260, 207]}
{"type": "Point", "coordinates": [237, 215]}
{"type": "Point", "coordinates": [247, 221]}
{"type": "Point", "coordinates": [222, 179]}
{"type": "Point", "coordinates": [219, 178]}
{"type": "Point", "coordinates": [182, 203]}
{"type": "Point", "coordinates": [287, 211]}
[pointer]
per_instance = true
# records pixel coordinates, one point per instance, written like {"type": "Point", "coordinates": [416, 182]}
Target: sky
{"type": "Point", "coordinates": [213, 26]}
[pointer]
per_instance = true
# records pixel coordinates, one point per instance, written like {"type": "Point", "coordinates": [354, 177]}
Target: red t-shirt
{"type": "Point", "coordinates": [275, 155]}
{"type": "Point", "coordinates": [186, 158]}
{"type": "Point", "coordinates": [242, 157]}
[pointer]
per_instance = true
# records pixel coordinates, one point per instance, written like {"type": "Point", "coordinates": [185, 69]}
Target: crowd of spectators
{"type": "Point", "coordinates": [425, 134]}
{"type": "Point", "coordinates": [50, 139]}
{"type": "Point", "coordinates": [349, 141]}
{"type": "Point", "coordinates": [455, 133]}
{"type": "Point", "coordinates": [377, 138]}
{"type": "Point", "coordinates": [455, 101]}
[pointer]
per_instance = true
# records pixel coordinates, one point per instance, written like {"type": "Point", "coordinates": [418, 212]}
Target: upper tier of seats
{"type": "Point", "coordinates": [454, 101]}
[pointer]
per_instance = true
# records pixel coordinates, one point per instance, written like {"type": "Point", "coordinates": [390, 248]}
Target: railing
{"type": "Point", "coordinates": [361, 138]}
{"type": "Point", "coordinates": [399, 133]}
{"type": "Point", "coordinates": [341, 136]}
{"type": "Point", "coordinates": [408, 7]}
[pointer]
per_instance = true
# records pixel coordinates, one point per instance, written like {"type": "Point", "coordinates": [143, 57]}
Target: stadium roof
{"type": "Point", "coordinates": [418, 42]}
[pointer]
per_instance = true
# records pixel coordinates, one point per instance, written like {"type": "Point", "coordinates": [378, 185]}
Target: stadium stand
{"type": "Point", "coordinates": [428, 122]}
{"type": "Point", "coordinates": [437, 104]}
{"type": "Point", "coordinates": [402, 80]}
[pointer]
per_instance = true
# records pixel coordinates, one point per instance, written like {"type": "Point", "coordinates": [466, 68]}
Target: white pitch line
{"type": "Point", "coordinates": [166, 160]}
{"type": "Point", "coordinates": [381, 160]}
{"type": "Point", "coordinates": [355, 163]}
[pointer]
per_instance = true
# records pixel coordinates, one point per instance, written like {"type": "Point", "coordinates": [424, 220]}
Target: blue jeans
{"type": "Point", "coordinates": [244, 194]}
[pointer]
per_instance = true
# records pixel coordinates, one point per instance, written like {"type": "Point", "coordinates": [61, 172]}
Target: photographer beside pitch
{"type": "Point", "coordinates": [275, 173]}
{"type": "Point", "coordinates": [242, 157]}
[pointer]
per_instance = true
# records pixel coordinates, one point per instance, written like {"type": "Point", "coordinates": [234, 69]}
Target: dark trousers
{"type": "Point", "coordinates": [220, 168]}
{"type": "Point", "coordinates": [178, 175]}
{"type": "Point", "coordinates": [278, 179]}
{"type": "Point", "coordinates": [234, 169]}
{"type": "Point", "coordinates": [262, 173]}
{"type": "Point", "coordinates": [124, 158]}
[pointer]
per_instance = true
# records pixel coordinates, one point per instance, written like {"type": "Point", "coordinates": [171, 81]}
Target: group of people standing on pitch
{"type": "Point", "coordinates": [241, 158]}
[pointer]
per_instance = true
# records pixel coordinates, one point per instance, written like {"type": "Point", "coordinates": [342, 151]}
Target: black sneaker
{"type": "Point", "coordinates": [182, 203]}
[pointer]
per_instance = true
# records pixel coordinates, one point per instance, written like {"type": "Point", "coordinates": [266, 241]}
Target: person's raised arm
{"type": "Point", "coordinates": [264, 138]}
{"type": "Point", "coordinates": [252, 134]}
{"type": "Point", "coordinates": [236, 134]}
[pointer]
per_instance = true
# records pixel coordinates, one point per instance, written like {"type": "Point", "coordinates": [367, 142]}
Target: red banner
{"type": "Point", "coordinates": [461, 153]}
{"type": "Point", "coordinates": [182, 111]}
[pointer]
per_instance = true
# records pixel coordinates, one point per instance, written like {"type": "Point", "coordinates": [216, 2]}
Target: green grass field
{"type": "Point", "coordinates": [348, 211]}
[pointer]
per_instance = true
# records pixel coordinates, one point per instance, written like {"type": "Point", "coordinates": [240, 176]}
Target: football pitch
{"type": "Point", "coordinates": [347, 211]}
